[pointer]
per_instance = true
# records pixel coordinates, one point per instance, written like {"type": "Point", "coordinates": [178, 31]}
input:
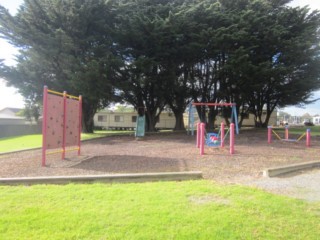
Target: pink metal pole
{"type": "Point", "coordinates": [232, 138]}
{"type": "Point", "coordinates": [202, 126]}
{"type": "Point", "coordinates": [198, 135]}
{"type": "Point", "coordinates": [308, 138]}
{"type": "Point", "coordinates": [44, 125]}
{"type": "Point", "coordinates": [63, 156]}
{"type": "Point", "coordinates": [222, 135]}
{"type": "Point", "coordinates": [269, 134]}
{"type": "Point", "coordinates": [286, 133]}
{"type": "Point", "coordinates": [80, 123]}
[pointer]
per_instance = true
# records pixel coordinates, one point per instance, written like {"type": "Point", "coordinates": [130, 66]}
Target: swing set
{"type": "Point", "coordinates": [213, 139]}
{"type": "Point", "coordinates": [192, 110]}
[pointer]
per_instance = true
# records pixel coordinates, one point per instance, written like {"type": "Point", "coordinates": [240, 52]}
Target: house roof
{"type": "Point", "coordinates": [15, 110]}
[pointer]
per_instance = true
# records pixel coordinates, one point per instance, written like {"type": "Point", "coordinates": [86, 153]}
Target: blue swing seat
{"type": "Point", "coordinates": [213, 140]}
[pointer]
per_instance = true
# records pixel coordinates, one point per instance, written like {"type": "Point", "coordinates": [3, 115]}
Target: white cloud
{"type": "Point", "coordinates": [313, 4]}
{"type": "Point", "coordinates": [314, 108]}
{"type": "Point", "coordinates": [9, 97]}
{"type": "Point", "coordinates": [11, 5]}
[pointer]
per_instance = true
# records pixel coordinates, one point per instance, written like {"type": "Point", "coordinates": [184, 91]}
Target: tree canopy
{"type": "Point", "coordinates": [260, 54]}
{"type": "Point", "coordinates": [65, 45]}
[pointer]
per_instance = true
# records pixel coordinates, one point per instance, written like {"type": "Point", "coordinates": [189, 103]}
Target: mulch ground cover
{"type": "Point", "coordinates": [170, 152]}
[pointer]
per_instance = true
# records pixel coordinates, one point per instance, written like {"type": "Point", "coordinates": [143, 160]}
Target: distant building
{"type": "Point", "coordinates": [307, 118]}
{"type": "Point", "coordinates": [12, 125]}
{"type": "Point", "coordinates": [107, 119]}
{"type": "Point", "coordinates": [248, 119]}
{"type": "Point", "coordinates": [10, 111]}
{"type": "Point", "coordinates": [8, 117]}
{"type": "Point", "coordinates": [316, 120]}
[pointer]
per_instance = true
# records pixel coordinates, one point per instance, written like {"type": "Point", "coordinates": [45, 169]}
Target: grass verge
{"type": "Point", "coordinates": [162, 210]}
{"type": "Point", "coordinates": [34, 141]}
{"type": "Point", "coordinates": [315, 130]}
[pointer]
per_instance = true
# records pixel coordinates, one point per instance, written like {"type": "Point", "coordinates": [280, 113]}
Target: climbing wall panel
{"type": "Point", "coordinates": [54, 133]}
{"type": "Point", "coordinates": [72, 122]}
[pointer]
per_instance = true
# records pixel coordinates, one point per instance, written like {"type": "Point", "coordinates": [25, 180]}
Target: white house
{"type": "Point", "coordinates": [316, 120]}
{"type": "Point", "coordinates": [8, 117]}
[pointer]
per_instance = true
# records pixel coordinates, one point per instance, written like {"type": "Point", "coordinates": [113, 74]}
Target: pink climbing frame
{"type": "Point", "coordinates": [61, 124]}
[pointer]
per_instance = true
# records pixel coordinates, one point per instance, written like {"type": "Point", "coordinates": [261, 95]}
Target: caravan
{"type": "Point", "coordinates": [316, 120]}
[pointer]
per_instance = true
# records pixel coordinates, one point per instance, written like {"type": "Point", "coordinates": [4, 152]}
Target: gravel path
{"type": "Point", "coordinates": [305, 185]}
{"type": "Point", "coordinates": [177, 152]}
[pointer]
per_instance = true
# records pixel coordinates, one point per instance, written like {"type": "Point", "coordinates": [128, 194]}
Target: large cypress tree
{"type": "Point", "coordinates": [145, 36]}
{"type": "Point", "coordinates": [279, 56]}
{"type": "Point", "coordinates": [260, 54]}
{"type": "Point", "coordinates": [65, 45]}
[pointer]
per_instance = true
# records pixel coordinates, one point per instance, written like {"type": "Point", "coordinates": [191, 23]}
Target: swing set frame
{"type": "Point", "coordinates": [191, 109]}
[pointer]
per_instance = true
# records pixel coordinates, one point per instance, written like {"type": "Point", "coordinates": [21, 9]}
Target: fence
{"type": "Point", "coordinates": [9, 130]}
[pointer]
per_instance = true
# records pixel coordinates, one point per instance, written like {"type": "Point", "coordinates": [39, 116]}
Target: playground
{"type": "Point", "coordinates": [165, 152]}
{"type": "Point", "coordinates": [226, 156]}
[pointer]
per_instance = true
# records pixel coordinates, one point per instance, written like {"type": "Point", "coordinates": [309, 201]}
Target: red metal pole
{"type": "Point", "coordinates": [80, 124]}
{"type": "Point", "coordinates": [63, 156]}
{"type": "Point", "coordinates": [222, 135]}
{"type": "Point", "coordinates": [44, 125]}
{"type": "Point", "coordinates": [202, 126]}
{"type": "Point", "coordinates": [269, 134]}
{"type": "Point", "coordinates": [308, 138]}
{"type": "Point", "coordinates": [232, 138]}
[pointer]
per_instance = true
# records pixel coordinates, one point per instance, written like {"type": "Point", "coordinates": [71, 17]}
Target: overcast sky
{"type": "Point", "coordinates": [10, 98]}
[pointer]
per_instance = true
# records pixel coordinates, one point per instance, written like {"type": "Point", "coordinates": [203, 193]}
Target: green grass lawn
{"type": "Point", "coordinates": [162, 210]}
{"type": "Point", "coordinates": [35, 141]}
{"type": "Point", "coordinates": [9, 144]}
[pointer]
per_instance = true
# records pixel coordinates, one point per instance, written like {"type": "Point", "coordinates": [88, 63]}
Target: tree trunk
{"type": "Point", "coordinates": [179, 121]}
{"type": "Point", "coordinates": [151, 122]}
{"type": "Point", "coordinates": [88, 112]}
{"type": "Point", "coordinates": [211, 118]}
{"type": "Point", "coordinates": [257, 121]}
{"type": "Point", "coordinates": [87, 124]}
{"type": "Point", "coordinates": [266, 121]}
{"type": "Point", "coordinates": [202, 113]}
